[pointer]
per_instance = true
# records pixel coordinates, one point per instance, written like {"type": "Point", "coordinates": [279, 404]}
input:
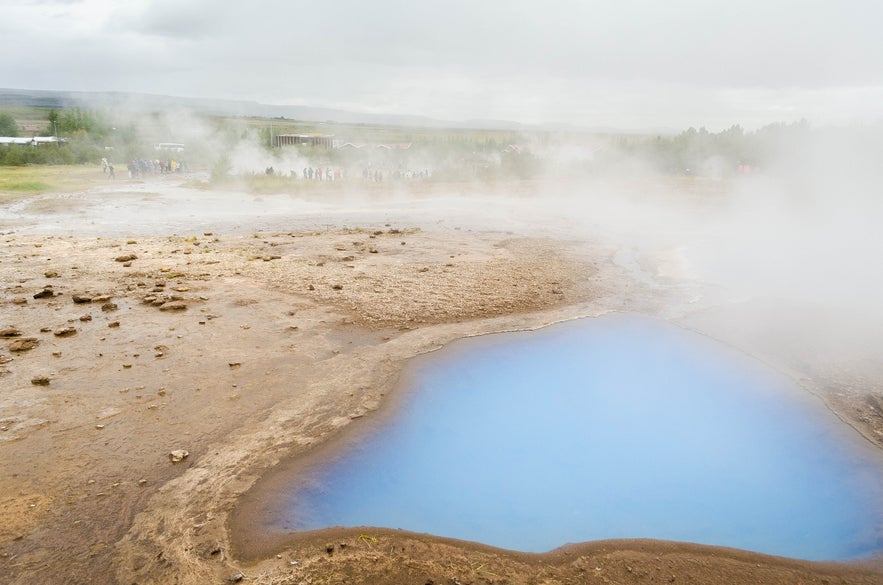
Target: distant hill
{"type": "Point", "coordinates": [136, 102]}
{"type": "Point", "coordinates": [140, 102]}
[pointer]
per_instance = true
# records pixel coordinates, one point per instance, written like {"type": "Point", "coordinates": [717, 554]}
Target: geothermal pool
{"type": "Point", "coordinates": [616, 427]}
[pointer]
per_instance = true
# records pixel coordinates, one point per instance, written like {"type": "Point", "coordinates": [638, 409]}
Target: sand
{"type": "Point", "coordinates": [171, 373]}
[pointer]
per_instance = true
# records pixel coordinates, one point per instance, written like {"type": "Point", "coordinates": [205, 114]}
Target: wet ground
{"type": "Point", "coordinates": [287, 319]}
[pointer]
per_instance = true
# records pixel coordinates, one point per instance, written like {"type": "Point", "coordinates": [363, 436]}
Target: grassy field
{"type": "Point", "coordinates": [18, 182]}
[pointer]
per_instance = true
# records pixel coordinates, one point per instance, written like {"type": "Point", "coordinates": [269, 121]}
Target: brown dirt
{"type": "Point", "coordinates": [284, 341]}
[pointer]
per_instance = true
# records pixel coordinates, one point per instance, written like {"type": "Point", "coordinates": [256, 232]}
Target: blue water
{"type": "Point", "coordinates": [617, 427]}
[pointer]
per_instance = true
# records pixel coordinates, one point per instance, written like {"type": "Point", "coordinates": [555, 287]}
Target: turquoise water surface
{"type": "Point", "coordinates": [616, 427]}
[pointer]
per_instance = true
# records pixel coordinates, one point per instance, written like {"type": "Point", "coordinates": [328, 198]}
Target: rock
{"type": "Point", "coordinates": [40, 380]}
{"type": "Point", "coordinates": [336, 287]}
{"type": "Point", "coordinates": [65, 332]}
{"type": "Point", "coordinates": [173, 306]}
{"type": "Point", "coordinates": [5, 359]}
{"type": "Point", "coordinates": [45, 329]}
{"type": "Point", "coordinates": [81, 299]}
{"type": "Point", "coordinates": [113, 324]}
{"type": "Point", "coordinates": [45, 293]}
{"type": "Point", "coordinates": [126, 258]}
{"type": "Point", "coordinates": [24, 344]}
{"type": "Point", "coordinates": [85, 318]}
{"type": "Point", "coordinates": [127, 264]}
{"type": "Point", "coordinates": [109, 307]}
{"type": "Point", "coordinates": [10, 332]}
{"type": "Point", "coordinates": [50, 274]}
{"type": "Point", "coordinates": [234, 365]}
{"type": "Point", "coordinates": [237, 578]}
{"type": "Point", "coordinates": [329, 548]}
{"type": "Point", "coordinates": [178, 455]}
{"type": "Point", "coordinates": [19, 301]}
{"type": "Point", "coordinates": [101, 299]}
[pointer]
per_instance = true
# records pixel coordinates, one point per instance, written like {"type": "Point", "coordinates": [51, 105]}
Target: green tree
{"type": "Point", "coordinates": [14, 156]}
{"type": "Point", "coordinates": [8, 126]}
{"type": "Point", "coordinates": [53, 121]}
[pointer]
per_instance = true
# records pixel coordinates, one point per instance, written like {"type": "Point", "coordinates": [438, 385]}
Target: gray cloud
{"type": "Point", "coordinates": [753, 59]}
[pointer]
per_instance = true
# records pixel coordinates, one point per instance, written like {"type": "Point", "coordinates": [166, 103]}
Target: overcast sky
{"type": "Point", "coordinates": [629, 64]}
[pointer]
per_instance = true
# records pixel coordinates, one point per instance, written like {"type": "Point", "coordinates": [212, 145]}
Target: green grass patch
{"type": "Point", "coordinates": [21, 182]}
{"type": "Point", "coordinates": [28, 186]}
{"type": "Point", "coordinates": [60, 178]}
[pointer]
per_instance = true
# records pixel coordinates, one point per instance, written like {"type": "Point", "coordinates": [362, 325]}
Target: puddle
{"type": "Point", "coordinates": [617, 427]}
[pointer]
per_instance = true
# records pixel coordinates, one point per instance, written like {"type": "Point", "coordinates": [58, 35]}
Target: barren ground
{"type": "Point", "coordinates": [244, 350]}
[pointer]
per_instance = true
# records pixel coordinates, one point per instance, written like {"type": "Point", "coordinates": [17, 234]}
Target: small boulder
{"type": "Point", "coordinates": [109, 307]}
{"type": "Point", "coordinates": [40, 380]}
{"type": "Point", "coordinates": [173, 306]}
{"type": "Point", "coordinates": [24, 344]}
{"type": "Point", "coordinates": [126, 258]}
{"type": "Point", "coordinates": [178, 455]}
{"type": "Point", "coordinates": [45, 293]}
{"type": "Point", "coordinates": [65, 332]}
{"type": "Point", "coordinates": [81, 299]}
